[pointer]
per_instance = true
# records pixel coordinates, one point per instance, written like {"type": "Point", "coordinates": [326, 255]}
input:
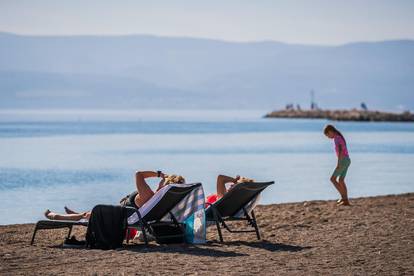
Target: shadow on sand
{"type": "Point", "coordinates": [269, 246]}
{"type": "Point", "coordinates": [211, 248]}
{"type": "Point", "coordinates": [202, 250]}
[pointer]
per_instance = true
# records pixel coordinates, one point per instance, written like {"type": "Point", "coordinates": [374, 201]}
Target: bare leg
{"type": "Point", "coordinates": [344, 190]}
{"type": "Point", "coordinates": [69, 211]}
{"type": "Point", "coordinates": [337, 186]}
{"type": "Point", "coordinates": [343, 186]}
{"type": "Point", "coordinates": [54, 216]}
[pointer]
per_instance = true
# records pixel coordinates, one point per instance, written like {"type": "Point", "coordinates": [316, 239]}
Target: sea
{"type": "Point", "coordinates": [79, 158]}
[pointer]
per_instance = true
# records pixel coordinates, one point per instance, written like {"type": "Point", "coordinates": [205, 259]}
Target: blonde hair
{"type": "Point", "coordinates": [174, 179]}
{"type": "Point", "coordinates": [243, 179]}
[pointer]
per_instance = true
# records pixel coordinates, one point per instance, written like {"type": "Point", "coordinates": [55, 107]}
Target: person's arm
{"type": "Point", "coordinates": [146, 174]}
{"type": "Point", "coordinates": [162, 181]}
{"type": "Point", "coordinates": [222, 180]}
{"type": "Point", "coordinates": [339, 153]}
{"type": "Point", "coordinates": [339, 146]}
{"type": "Point", "coordinates": [144, 190]}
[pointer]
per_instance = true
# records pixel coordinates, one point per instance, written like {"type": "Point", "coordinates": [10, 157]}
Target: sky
{"type": "Point", "coordinates": [326, 22]}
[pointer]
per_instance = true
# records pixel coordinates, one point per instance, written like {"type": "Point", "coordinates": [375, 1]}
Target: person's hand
{"type": "Point", "coordinates": [161, 184]}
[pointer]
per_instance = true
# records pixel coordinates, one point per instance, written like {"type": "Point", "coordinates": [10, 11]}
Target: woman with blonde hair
{"type": "Point", "coordinates": [136, 199]}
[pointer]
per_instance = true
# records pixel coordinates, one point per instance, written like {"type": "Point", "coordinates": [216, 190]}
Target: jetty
{"type": "Point", "coordinates": [343, 115]}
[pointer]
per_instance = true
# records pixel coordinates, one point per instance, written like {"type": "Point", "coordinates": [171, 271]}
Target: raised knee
{"type": "Point", "coordinates": [333, 179]}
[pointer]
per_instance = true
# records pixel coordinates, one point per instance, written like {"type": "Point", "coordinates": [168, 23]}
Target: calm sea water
{"type": "Point", "coordinates": [49, 159]}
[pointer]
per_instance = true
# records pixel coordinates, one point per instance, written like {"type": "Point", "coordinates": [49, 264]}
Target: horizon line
{"type": "Point", "coordinates": [206, 38]}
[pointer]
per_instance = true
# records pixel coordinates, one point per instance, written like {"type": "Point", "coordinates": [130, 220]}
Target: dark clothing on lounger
{"type": "Point", "coordinates": [107, 226]}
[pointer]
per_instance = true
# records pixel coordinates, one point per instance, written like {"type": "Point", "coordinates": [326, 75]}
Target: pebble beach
{"type": "Point", "coordinates": [373, 236]}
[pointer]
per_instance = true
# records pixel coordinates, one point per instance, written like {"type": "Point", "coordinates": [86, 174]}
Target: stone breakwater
{"type": "Point", "coordinates": [343, 115]}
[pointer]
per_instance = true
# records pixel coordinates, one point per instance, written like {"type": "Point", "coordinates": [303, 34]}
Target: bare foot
{"type": "Point", "coordinates": [49, 214]}
{"type": "Point", "coordinates": [69, 211]}
{"type": "Point", "coordinates": [344, 203]}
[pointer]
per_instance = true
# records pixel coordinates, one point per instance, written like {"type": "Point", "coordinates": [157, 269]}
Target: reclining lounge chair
{"type": "Point", "coordinates": [144, 218]}
{"type": "Point", "coordinates": [237, 205]}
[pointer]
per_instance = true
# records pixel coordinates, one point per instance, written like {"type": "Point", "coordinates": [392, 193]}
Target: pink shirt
{"type": "Point", "coordinates": [339, 141]}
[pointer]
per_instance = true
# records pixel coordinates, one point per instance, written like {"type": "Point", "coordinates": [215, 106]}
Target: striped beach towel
{"type": "Point", "coordinates": [191, 212]}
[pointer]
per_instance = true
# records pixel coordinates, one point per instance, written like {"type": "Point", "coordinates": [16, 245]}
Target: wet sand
{"type": "Point", "coordinates": [373, 236]}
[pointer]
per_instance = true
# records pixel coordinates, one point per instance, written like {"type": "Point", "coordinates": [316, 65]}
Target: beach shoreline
{"type": "Point", "coordinates": [373, 236]}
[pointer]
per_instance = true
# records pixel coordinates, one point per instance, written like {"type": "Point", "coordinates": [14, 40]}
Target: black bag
{"type": "Point", "coordinates": [107, 226]}
{"type": "Point", "coordinates": [167, 232]}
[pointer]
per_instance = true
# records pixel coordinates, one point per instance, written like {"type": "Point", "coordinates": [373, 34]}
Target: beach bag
{"type": "Point", "coordinates": [106, 227]}
{"type": "Point", "coordinates": [195, 230]}
{"type": "Point", "coordinates": [167, 232]}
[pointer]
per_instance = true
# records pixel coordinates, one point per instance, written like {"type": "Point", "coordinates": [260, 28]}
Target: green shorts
{"type": "Point", "coordinates": [342, 169]}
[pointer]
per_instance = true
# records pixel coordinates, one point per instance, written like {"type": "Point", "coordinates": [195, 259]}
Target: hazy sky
{"type": "Point", "coordinates": [295, 21]}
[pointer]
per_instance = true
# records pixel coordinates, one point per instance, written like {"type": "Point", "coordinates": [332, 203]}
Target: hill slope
{"type": "Point", "coordinates": [139, 70]}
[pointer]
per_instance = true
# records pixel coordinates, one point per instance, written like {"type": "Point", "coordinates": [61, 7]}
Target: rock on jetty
{"type": "Point", "coordinates": [343, 115]}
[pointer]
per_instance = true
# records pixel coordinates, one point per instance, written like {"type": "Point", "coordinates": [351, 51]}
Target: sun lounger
{"type": "Point", "coordinates": [144, 218]}
{"type": "Point", "coordinates": [57, 224]}
{"type": "Point", "coordinates": [237, 205]}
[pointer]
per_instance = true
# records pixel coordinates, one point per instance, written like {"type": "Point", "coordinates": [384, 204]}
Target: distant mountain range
{"type": "Point", "coordinates": [138, 71]}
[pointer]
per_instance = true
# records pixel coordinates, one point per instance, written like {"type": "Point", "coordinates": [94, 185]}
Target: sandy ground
{"type": "Point", "coordinates": [374, 236]}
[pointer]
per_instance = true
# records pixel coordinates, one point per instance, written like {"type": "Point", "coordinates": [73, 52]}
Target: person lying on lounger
{"type": "Point", "coordinates": [135, 199]}
{"type": "Point", "coordinates": [222, 180]}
